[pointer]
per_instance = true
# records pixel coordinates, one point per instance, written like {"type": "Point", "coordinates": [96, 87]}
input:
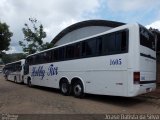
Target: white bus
{"type": "Point", "coordinates": [118, 62]}
{"type": "Point", "coordinates": [15, 71]}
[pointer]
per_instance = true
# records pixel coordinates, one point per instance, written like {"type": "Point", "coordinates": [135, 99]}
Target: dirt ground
{"type": "Point", "coordinates": [20, 99]}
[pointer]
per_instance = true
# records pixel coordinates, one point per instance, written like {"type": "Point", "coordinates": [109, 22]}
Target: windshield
{"type": "Point", "coordinates": [147, 39]}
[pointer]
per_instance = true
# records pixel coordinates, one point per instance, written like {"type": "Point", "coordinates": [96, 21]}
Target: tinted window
{"type": "Point", "coordinates": [99, 45]}
{"type": "Point", "coordinates": [14, 67]}
{"type": "Point", "coordinates": [28, 60]}
{"type": "Point", "coordinates": [34, 60]}
{"type": "Point", "coordinates": [105, 44]}
{"type": "Point", "coordinates": [31, 60]}
{"type": "Point", "coordinates": [121, 41]}
{"type": "Point", "coordinates": [40, 58]}
{"type": "Point", "coordinates": [69, 51]}
{"type": "Point", "coordinates": [45, 57]}
{"type": "Point", "coordinates": [52, 55]}
{"type": "Point", "coordinates": [83, 49]}
{"type": "Point", "coordinates": [112, 43]}
{"type": "Point", "coordinates": [124, 40]}
{"type": "Point", "coordinates": [55, 53]}
{"type": "Point", "coordinates": [147, 39]}
{"type": "Point", "coordinates": [90, 47]}
{"type": "Point", "coordinates": [109, 44]}
{"type": "Point", "coordinates": [118, 41]}
{"type": "Point", "coordinates": [77, 50]}
{"type": "Point", "coordinates": [49, 56]}
{"type": "Point", "coordinates": [61, 53]}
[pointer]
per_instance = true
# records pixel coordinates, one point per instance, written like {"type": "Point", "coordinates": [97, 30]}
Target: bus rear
{"type": "Point", "coordinates": [144, 79]}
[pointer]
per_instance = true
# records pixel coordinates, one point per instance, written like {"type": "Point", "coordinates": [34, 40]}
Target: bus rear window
{"type": "Point", "coordinates": [147, 39]}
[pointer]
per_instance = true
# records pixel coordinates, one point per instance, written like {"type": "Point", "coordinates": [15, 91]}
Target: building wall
{"type": "Point", "coordinates": [82, 33]}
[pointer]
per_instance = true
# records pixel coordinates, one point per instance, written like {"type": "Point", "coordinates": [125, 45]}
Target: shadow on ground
{"type": "Point", "coordinates": [116, 100]}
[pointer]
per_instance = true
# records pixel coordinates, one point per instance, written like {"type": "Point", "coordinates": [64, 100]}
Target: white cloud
{"type": "Point", "coordinates": [155, 25]}
{"type": "Point", "coordinates": [11, 50]}
{"type": "Point", "coordinates": [65, 24]}
{"type": "Point", "coordinates": [131, 5]}
{"type": "Point", "coordinates": [53, 14]}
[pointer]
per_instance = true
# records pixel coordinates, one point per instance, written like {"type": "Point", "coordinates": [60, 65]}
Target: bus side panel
{"type": "Point", "coordinates": [107, 83]}
{"type": "Point", "coordinates": [10, 77]}
{"type": "Point", "coordinates": [44, 75]}
{"type": "Point", "coordinates": [105, 75]}
{"type": "Point", "coordinates": [111, 78]}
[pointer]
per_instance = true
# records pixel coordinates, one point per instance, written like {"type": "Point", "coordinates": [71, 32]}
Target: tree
{"type": "Point", "coordinates": [7, 58]}
{"type": "Point", "coordinates": [5, 37]}
{"type": "Point", "coordinates": [33, 38]}
{"type": "Point", "coordinates": [46, 46]}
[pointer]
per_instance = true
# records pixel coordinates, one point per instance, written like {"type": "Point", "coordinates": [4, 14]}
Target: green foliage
{"type": "Point", "coordinates": [5, 37]}
{"type": "Point", "coordinates": [33, 38]}
{"type": "Point", "coordinates": [7, 58]}
{"type": "Point", "coordinates": [46, 46]}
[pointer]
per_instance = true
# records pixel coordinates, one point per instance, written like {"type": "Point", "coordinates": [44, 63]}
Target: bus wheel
{"type": "Point", "coordinates": [15, 79]}
{"type": "Point", "coordinates": [65, 87]}
{"type": "Point", "coordinates": [78, 89]}
{"type": "Point", "coordinates": [29, 83]}
{"type": "Point", "coordinates": [6, 77]}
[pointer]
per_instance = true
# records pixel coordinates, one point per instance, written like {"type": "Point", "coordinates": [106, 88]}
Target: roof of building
{"type": "Point", "coordinates": [87, 23]}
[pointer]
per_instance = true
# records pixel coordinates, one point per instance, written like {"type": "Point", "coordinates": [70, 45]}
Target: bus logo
{"type": "Point", "coordinates": [52, 70]}
{"type": "Point", "coordinates": [41, 72]}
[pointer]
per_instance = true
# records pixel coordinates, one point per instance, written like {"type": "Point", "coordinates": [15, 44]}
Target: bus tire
{"type": "Point", "coordinates": [6, 77]}
{"type": "Point", "coordinates": [65, 87]}
{"type": "Point", "coordinates": [78, 89]}
{"type": "Point", "coordinates": [29, 83]}
{"type": "Point", "coordinates": [15, 79]}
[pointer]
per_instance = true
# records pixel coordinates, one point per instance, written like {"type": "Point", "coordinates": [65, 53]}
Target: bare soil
{"type": "Point", "coordinates": [20, 99]}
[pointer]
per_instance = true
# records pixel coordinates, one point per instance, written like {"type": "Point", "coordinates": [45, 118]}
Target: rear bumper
{"type": "Point", "coordinates": [142, 89]}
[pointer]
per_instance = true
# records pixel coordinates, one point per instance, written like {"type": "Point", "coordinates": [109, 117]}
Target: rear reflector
{"type": "Point", "coordinates": [136, 77]}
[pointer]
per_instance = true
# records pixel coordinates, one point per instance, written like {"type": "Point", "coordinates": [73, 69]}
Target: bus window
{"type": "Point", "coordinates": [91, 47]}
{"type": "Point", "coordinates": [147, 39]}
{"type": "Point", "coordinates": [124, 40]}
{"type": "Point", "coordinates": [99, 45]}
{"type": "Point", "coordinates": [77, 50]}
{"type": "Point", "coordinates": [83, 49]}
{"type": "Point", "coordinates": [70, 52]}
{"type": "Point", "coordinates": [61, 53]}
{"type": "Point", "coordinates": [55, 54]}
{"type": "Point", "coordinates": [121, 41]}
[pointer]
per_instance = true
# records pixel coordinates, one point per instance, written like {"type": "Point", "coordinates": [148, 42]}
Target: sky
{"type": "Point", "coordinates": [55, 15]}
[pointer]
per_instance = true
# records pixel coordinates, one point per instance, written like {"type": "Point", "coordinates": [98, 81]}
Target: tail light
{"type": "Point", "coordinates": [136, 77]}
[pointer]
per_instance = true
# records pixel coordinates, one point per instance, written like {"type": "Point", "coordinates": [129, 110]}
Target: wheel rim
{"type": "Point", "coordinates": [64, 87]}
{"type": "Point", "coordinates": [77, 90]}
